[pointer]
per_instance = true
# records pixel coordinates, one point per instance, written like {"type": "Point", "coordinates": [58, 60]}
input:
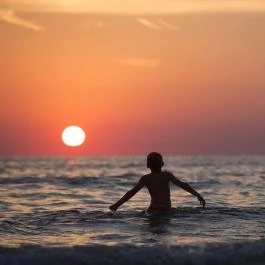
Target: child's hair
{"type": "Point", "coordinates": [155, 161]}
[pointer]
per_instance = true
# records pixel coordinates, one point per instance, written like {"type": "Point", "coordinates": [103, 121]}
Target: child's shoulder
{"type": "Point", "coordinates": [168, 173]}
{"type": "Point", "coordinates": [162, 173]}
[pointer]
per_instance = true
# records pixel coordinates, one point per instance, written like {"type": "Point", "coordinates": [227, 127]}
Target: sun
{"type": "Point", "coordinates": [73, 136]}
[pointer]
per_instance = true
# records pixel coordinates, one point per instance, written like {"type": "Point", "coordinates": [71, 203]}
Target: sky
{"type": "Point", "coordinates": [178, 77]}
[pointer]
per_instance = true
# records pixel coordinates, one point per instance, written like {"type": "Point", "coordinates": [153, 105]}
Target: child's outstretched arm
{"type": "Point", "coordinates": [127, 195]}
{"type": "Point", "coordinates": [188, 188]}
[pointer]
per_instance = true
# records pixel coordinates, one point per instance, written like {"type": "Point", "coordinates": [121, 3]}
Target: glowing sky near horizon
{"type": "Point", "coordinates": [135, 6]}
{"type": "Point", "coordinates": [180, 77]}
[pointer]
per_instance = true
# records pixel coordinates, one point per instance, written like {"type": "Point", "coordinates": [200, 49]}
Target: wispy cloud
{"type": "Point", "coordinates": [137, 62]}
{"type": "Point", "coordinates": [147, 23]}
{"type": "Point", "coordinates": [10, 17]}
{"type": "Point", "coordinates": [98, 24]}
{"type": "Point", "coordinates": [138, 7]}
{"type": "Point", "coordinates": [166, 24]}
{"type": "Point", "coordinates": [156, 24]}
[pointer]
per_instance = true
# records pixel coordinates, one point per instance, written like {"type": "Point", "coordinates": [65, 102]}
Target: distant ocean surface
{"type": "Point", "coordinates": [55, 211]}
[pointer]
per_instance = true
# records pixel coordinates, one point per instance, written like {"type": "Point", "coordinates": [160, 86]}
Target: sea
{"type": "Point", "coordinates": [55, 210]}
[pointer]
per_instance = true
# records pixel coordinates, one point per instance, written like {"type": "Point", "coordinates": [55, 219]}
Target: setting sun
{"type": "Point", "coordinates": [73, 136]}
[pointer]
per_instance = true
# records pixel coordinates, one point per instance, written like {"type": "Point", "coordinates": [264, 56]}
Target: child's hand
{"type": "Point", "coordinates": [201, 200]}
{"type": "Point", "coordinates": [113, 207]}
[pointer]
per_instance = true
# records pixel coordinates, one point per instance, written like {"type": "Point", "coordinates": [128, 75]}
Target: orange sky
{"type": "Point", "coordinates": [189, 82]}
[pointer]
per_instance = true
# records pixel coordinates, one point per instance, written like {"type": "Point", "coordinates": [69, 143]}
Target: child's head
{"type": "Point", "coordinates": [155, 161]}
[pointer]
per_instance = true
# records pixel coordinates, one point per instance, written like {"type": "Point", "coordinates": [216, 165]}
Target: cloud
{"type": "Point", "coordinates": [147, 23]}
{"type": "Point", "coordinates": [167, 25]}
{"type": "Point", "coordinates": [97, 24]}
{"type": "Point", "coordinates": [136, 7]}
{"type": "Point", "coordinates": [157, 25]}
{"type": "Point", "coordinates": [136, 62]}
{"type": "Point", "coordinates": [10, 17]}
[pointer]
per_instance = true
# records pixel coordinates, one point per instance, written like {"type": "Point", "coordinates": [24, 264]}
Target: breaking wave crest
{"type": "Point", "coordinates": [243, 253]}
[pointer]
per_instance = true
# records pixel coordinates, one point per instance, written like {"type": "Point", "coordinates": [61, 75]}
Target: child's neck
{"type": "Point", "coordinates": [156, 170]}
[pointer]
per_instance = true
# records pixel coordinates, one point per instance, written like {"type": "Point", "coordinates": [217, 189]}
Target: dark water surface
{"type": "Point", "coordinates": [55, 210]}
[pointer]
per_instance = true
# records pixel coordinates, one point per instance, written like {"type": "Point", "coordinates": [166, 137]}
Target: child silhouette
{"type": "Point", "coordinates": [157, 183]}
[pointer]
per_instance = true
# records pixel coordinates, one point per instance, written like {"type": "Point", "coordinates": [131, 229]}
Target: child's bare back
{"type": "Point", "coordinates": [157, 183]}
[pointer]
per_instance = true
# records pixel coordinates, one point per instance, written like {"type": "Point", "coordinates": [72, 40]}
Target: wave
{"type": "Point", "coordinates": [99, 215]}
{"type": "Point", "coordinates": [55, 180]}
{"type": "Point", "coordinates": [67, 180]}
{"type": "Point", "coordinates": [244, 253]}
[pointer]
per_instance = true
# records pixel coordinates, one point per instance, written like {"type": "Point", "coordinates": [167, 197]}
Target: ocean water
{"type": "Point", "coordinates": [55, 211]}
